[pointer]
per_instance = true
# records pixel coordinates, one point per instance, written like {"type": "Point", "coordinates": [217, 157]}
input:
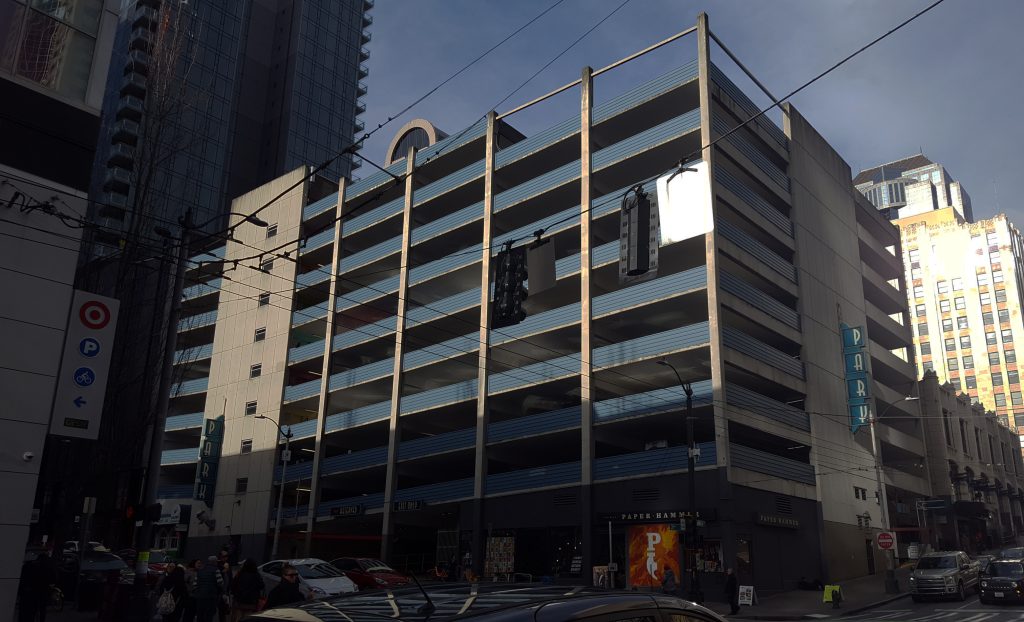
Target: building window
{"type": "Point", "coordinates": [1003, 315]}
{"type": "Point", "coordinates": [255, 370]}
{"type": "Point", "coordinates": [264, 299]}
{"type": "Point", "coordinates": [914, 254]}
{"type": "Point", "coordinates": [971, 382]}
{"type": "Point", "coordinates": [1012, 375]}
{"type": "Point", "coordinates": [1015, 398]}
{"type": "Point", "coordinates": [955, 382]}
{"type": "Point", "coordinates": [1011, 356]}
{"type": "Point", "coordinates": [993, 358]}
{"type": "Point", "coordinates": [958, 284]}
{"type": "Point", "coordinates": [942, 287]}
{"type": "Point", "coordinates": [997, 276]}
{"type": "Point", "coordinates": [960, 303]}
{"type": "Point", "coordinates": [950, 344]}
{"type": "Point", "coordinates": [922, 328]}
{"type": "Point", "coordinates": [947, 323]}
{"type": "Point", "coordinates": [992, 238]}
{"type": "Point", "coordinates": [250, 409]}
{"type": "Point", "coordinates": [919, 291]}
{"type": "Point", "coordinates": [987, 318]}
{"type": "Point", "coordinates": [1007, 335]}
{"type": "Point", "coordinates": [271, 231]}
{"type": "Point", "coordinates": [927, 366]}
{"type": "Point", "coordinates": [919, 311]}
{"type": "Point", "coordinates": [982, 278]}
{"type": "Point", "coordinates": [1000, 295]}
{"type": "Point", "coordinates": [926, 348]}
{"type": "Point", "coordinates": [985, 297]}
{"type": "Point", "coordinates": [267, 265]}
{"type": "Point", "coordinates": [241, 485]}
{"type": "Point", "coordinates": [952, 364]}
{"type": "Point", "coordinates": [944, 306]}
{"type": "Point", "coordinates": [860, 493]}
{"type": "Point", "coordinates": [993, 257]}
{"type": "Point", "coordinates": [260, 335]}
{"type": "Point", "coordinates": [997, 378]}
{"type": "Point", "coordinates": [1000, 399]}
{"type": "Point", "coordinates": [961, 322]}
{"type": "Point", "coordinates": [990, 338]}
{"type": "Point", "coordinates": [915, 274]}
{"type": "Point", "coordinates": [965, 342]}
{"type": "Point", "coordinates": [246, 446]}
{"type": "Point", "coordinates": [968, 361]}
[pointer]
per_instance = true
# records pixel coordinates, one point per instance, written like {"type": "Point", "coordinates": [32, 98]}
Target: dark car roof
{"type": "Point", "coordinates": [499, 601]}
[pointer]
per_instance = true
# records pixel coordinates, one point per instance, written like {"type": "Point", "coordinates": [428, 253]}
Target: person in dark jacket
{"type": "Point", "coordinates": [175, 583]}
{"type": "Point", "coordinates": [209, 587]}
{"type": "Point", "coordinates": [287, 591]}
{"type": "Point", "coordinates": [732, 591]}
{"type": "Point", "coordinates": [246, 590]}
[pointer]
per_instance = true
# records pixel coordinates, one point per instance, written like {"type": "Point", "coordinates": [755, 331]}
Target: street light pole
{"type": "Point", "coordinates": [691, 462]}
{"type": "Point", "coordinates": [891, 585]}
{"type": "Point", "coordinates": [286, 456]}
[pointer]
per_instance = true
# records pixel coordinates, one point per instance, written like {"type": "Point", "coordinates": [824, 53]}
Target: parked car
{"type": "Point", "coordinates": [983, 561]}
{"type": "Point", "coordinates": [96, 566]}
{"type": "Point", "coordinates": [159, 562]}
{"type": "Point", "coordinates": [1003, 580]}
{"type": "Point", "coordinates": [369, 573]}
{"type": "Point", "coordinates": [944, 574]}
{"type": "Point", "coordinates": [316, 577]}
{"type": "Point", "coordinates": [495, 602]}
{"type": "Point", "coordinates": [72, 546]}
{"type": "Point", "coordinates": [1016, 552]}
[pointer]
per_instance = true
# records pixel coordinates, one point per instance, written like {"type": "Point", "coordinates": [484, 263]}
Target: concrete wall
{"type": "Point", "coordinates": [38, 255]}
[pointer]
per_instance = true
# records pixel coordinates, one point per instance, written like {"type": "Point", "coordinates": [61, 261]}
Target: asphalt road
{"type": "Point", "coordinates": [971, 610]}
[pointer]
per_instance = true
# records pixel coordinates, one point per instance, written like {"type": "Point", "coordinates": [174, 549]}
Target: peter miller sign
{"type": "Point", "coordinates": [855, 359]}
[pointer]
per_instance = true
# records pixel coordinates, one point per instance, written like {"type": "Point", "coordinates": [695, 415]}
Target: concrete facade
{"type": "Point", "coordinates": [423, 433]}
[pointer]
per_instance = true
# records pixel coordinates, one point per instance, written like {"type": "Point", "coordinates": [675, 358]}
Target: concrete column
{"type": "Point", "coordinates": [482, 407]}
{"type": "Point", "coordinates": [325, 374]}
{"type": "Point", "coordinates": [394, 432]}
{"type": "Point", "coordinates": [586, 338]}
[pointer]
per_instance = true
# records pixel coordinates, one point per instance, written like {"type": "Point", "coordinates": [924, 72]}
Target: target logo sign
{"type": "Point", "coordinates": [94, 314]}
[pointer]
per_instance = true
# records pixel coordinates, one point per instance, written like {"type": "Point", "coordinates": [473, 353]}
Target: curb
{"type": "Point", "coordinates": [844, 613]}
{"type": "Point", "coordinates": [879, 603]}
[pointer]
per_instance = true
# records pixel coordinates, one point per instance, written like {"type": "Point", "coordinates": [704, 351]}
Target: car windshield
{"type": "Point", "coordinates": [1006, 569]}
{"type": "Point", "coordinates": [1015, 553]}
{"type": "Point", "coordinates": [928, 563]}
{"type": "Point", "coordinates": [375, 565]}
{"type": "Point", "coordinates": [317, 571]}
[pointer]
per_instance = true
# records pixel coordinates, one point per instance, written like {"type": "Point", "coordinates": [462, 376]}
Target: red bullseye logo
{"type": "Point", "coordinates": [94, 314]}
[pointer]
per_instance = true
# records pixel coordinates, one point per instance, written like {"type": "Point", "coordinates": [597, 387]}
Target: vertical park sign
{"type": "Point", "coordinates": [855, 361]}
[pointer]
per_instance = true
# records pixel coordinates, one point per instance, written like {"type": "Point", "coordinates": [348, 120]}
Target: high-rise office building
{"type": "Point", "coordinates": [53, 64]}
{"type": "Point", "coordinates": [911, 186]}
{"type": "Point", "coordinates": [422, 429]}
{"type": "Point", "coordinates": [965, 288]}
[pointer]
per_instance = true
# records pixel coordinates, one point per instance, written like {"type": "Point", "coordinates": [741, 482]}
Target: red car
{"type": "Point", "coordinates": [369, 573]}
{"type": "Point", "coordinates": [159, 563]}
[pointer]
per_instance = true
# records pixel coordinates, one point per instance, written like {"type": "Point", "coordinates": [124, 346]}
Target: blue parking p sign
{"type": "Point", "coordinates": [89, 347]}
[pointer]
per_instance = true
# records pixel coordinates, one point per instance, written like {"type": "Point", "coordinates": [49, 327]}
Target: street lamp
{"type": "Point", "coordinates": [286, 455]}
{"type": "Point", "coordinates": [891, 586]}
{"type": "Point", "coordinates": [691, 462]}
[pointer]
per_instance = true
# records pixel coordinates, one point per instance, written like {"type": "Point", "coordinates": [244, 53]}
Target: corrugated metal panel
{"type": "Point", "coordinates": [652, 462]}
{"type": "Point", "coordinates": [184, 422]}
{"type": "Point", "coordinates": [215, 254]}
{"type": "Point", "coordinates": [724, 83]}
{"type": "Point", "coordinates": [754, 154]}
{"type": "Point", "coordinates": [375, 216]}
{"type": "Point", "coordinates": [452, 304]}
{"type": "Point", "coordinates": [441, 396]}
{"type": "Point", "coordinates": [197, 321]}
{"type": "Point", "coordinates": [179, 456]}
{"type": "Point", "coordinates": [369, 255]}
{"type": "Point", "coordinates": [773, 409]}
{"type": "Point", "coordinates": [190, 387]}
{"type": "Point", "coordinates": [747, 292]}
{"type": "Point", "coordinates": [658, 400]}
{"type": "Point", "coordinates": [451, 348]}
{"type": "Point", "coordinates": [650, 346]}
{"type": "Point", "coordinates": [329, 202]}
{"type": "Point", "coordinates": [532, 425]}
{"type": "Point", "coordinates": [358, 416]}
{"type": "Point", "coordinates": [538, 141]}
{"type": "Point", "coordinates": [604, 254]}
{"type": "Point", "coordinates": [465, 257]}
{"type": "Point", "coordinates": [313, 277]}
{"type": "Point", "coordinates": [306, 352]}
{"type": "Point", "coordinates": [301, 391]}
{"type": "Point", "coordinates": [369, 332]}
{"type": "Point", "coordinates": [373, 501]}
{"type": "Point", "coordinates": [366, 294]}
{"type": "Point", "coordinates": [305, 429]}
{"type": "Point", "coordinates": [190, 355]}
{"type": "Point", "coordinates": [649, 291]}
{"type": "Point", "coordinates": [645, 92]}
{"type": "Point", "coordinates": [324, 238]}
{"type": "Point", "coordinates": [444, 491]}
{"type": "Point", "coordinates": [316, 312]}
{"type": "Point", "coordinates": [447, 223]}
{"type": "Point", "coordinates": [534, 324]}
{"type": "Point", "coordinates": [770, 464]}
{"type": "Point", "coordinates": [744, 343]}
{"type": "Point", "coordinates": [365, 373]}
{"type": "Point", "coordinates": [446, 184]}
{"type": "Point", "coordinates": [451, 143]}
{"type": "Point", "coordinates": [767, 256]}
{"type": "Point", "coordinates": [201, 289]}
{"type": "Point", "coordinates": [373, 181]}
{"type": "Point", "coordinates": [649, 138]}
{"type": "Point", "coordinates": [544, 371]}
{"type": "Point", "coordinates": [296, 471]}
{"type": "Point", "coordinates": [355, 460]}
{"type": "Point", "coordinates": [175, 491]}
{"type": "Point", "coordinates": [537, 186]}
{"type": "Point", "coordinates": [449, 441]}
{"type": "Point", "coordinates": [754, 200]}
{"type": "Point", "coordinates": [536, 477]}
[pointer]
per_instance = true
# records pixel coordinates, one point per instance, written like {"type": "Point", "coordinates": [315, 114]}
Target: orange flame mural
{"type": "Point", "coordinates": [651, 549]}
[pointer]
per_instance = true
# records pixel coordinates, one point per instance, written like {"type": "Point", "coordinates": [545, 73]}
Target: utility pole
{"type": "Point", "coordinates": [692, 453]}
{"type": "Point", "coordinates": [891, 585]}
{"type": "Point", "coordinates": [286, 456]}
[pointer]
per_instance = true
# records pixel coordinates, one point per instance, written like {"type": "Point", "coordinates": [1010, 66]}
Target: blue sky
{"type": "Point", "coordinates": [950, 84]}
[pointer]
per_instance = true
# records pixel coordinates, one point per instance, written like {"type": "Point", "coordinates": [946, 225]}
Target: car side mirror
{"type": "Point", "coordinates": [965, 566]}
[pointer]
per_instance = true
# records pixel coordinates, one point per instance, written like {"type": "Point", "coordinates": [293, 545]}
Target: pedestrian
{"type": "Point", "coordinates": [287, 591]}
{"type": "Point", "coordinates": [209, 587]}
{"type": "Point", "coordinates": [173, 594]}
{"type": "Point", "coordinates": [732, 592]}
{"type": "Point", "coordinates": [188, 613]}
{"type": "Point", "coordinates": [224, 605]}
{"type": "Point", "coordinates": [246, 591]}
{"type": "Point", "coordinates": [668, 583]}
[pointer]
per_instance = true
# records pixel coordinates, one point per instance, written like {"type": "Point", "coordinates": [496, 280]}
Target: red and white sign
{"type": "Point", "coordinates": [94, 314]}
{"type": "Point", "coordinates": [886, 540]}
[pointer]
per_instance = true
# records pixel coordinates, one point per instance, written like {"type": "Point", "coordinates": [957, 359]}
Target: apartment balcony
{"type": "Point", "coordinates": [130, 107]}
{"type": "Point", "coordinates": [125, 131]}
{"type": "Point", "coordinates": [121, 155]}
{"type": "Point", "coordinates": [117, 179]}
{"type": "Point", "coordinates": [364, 55]}
{"type": "Point", "coordinates": [364, 38]}
{"type": "Point", "coordinates": [367, 20]}
{"type": "Point", "coordinates": [363, 71]}
{"type": "Point", "coordinates": [145, 17]}
{"type": "Point", "coordinates": [140, 39]}
{"type": "Point", "coordinates": [359, 126]}
{"type": "Point", "coordinates": [116, 200]}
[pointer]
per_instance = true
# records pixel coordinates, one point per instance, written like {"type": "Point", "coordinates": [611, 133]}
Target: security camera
{"type": "Point", "coordinates": [28, 456]}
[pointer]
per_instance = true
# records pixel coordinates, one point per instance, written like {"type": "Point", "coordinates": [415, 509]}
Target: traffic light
{"type": "Point", "coordinates": [638, 236]}
{"type": "Point", "coordinates": [133, 512]}
{"type": "Point", "coordinates": [510, 273]}
{"type": "Point", "coordinates": [153, 512]}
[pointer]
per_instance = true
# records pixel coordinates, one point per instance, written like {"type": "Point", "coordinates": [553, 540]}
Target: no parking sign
{"type": "Point", "coordinates": [92, 322]}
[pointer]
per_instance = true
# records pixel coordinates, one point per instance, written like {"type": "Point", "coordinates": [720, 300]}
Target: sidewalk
{"type": "Point", "coordinates": [858, 595]}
